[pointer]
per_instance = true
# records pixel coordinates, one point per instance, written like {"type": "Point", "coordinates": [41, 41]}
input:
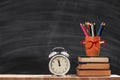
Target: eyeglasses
{"type": "Point", "coordinates": [89, 44]}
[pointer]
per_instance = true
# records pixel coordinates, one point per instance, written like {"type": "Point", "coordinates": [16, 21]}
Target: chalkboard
{"type": "Point", "coordinates": [29, 29]}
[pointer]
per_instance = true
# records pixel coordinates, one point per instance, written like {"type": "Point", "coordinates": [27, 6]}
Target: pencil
{"type": "Point", "coordinates": [88, 27]}
{"type": "Point", "coordinates": [101, 29]}
{"type": "Point", "coordinates": [84, 29]}
{"type": "Point", "coordinates": [94, 29]}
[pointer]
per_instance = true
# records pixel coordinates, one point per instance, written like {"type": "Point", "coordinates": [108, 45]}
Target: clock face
{"type": "Point", "coordinates": [59, 65]}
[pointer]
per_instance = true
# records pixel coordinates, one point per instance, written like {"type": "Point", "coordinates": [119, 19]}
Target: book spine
{"type": "Point", "coordinates": [94, 66]}
{"type": "Point", "coordinates": [93, 72]}
{"type": "Point", "coordinates": [93, 59]}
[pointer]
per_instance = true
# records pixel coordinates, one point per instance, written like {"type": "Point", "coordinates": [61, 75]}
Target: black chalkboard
{"type": "Point", "coordinates": [29, 29]}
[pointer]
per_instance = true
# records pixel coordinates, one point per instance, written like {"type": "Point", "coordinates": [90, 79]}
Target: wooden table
{"type": "Point", "coordinates": [50, 77]}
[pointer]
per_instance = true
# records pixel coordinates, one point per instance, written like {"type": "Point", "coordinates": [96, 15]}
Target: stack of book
{"type": "Point", "coordinates": [93, 66]}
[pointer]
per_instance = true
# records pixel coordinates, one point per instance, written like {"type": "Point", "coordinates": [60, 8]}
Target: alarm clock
{"type": "Point", "coordinates": [59, 63]}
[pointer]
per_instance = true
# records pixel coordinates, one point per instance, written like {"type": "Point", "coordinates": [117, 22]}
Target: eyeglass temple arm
{"type": "Point", "coordinates": [103, 42]}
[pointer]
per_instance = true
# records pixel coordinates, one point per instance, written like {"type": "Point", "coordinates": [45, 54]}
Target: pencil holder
{"type": "Point", "coordinates": [93, 45]}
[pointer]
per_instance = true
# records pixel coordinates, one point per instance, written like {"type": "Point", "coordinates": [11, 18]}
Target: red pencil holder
{"type": "Point", "coordinates": [93, 45]}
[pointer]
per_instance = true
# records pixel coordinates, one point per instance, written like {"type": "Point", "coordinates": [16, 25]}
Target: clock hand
{"type": "Point", "coordinates": [59, 62]}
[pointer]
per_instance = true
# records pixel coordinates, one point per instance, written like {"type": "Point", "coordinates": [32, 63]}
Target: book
{"type": "Point", "coordinates": [94, 66]}
{"type": "Point", "coordinates": [93, 72]}
{"type": "Point", "coordinates": [93, 59]}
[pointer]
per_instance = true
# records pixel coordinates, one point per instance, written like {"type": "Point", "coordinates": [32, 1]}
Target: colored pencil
{"type": "Point", "coordinates": [87, 27]}
{"type": "Point", "coordinates": [92, 30]}
{"type": "Point", "coordinates": [84, 29]}
{"type": "Point", "coordinates": [101, 29]}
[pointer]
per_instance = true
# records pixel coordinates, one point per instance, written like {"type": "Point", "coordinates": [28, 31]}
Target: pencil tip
{"type": "Point", "coordinates": [94, 23]}
{"type": "Point", "coordinates": [103, 23]}
{"type": "Point", "coordinates": [80, 24]}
